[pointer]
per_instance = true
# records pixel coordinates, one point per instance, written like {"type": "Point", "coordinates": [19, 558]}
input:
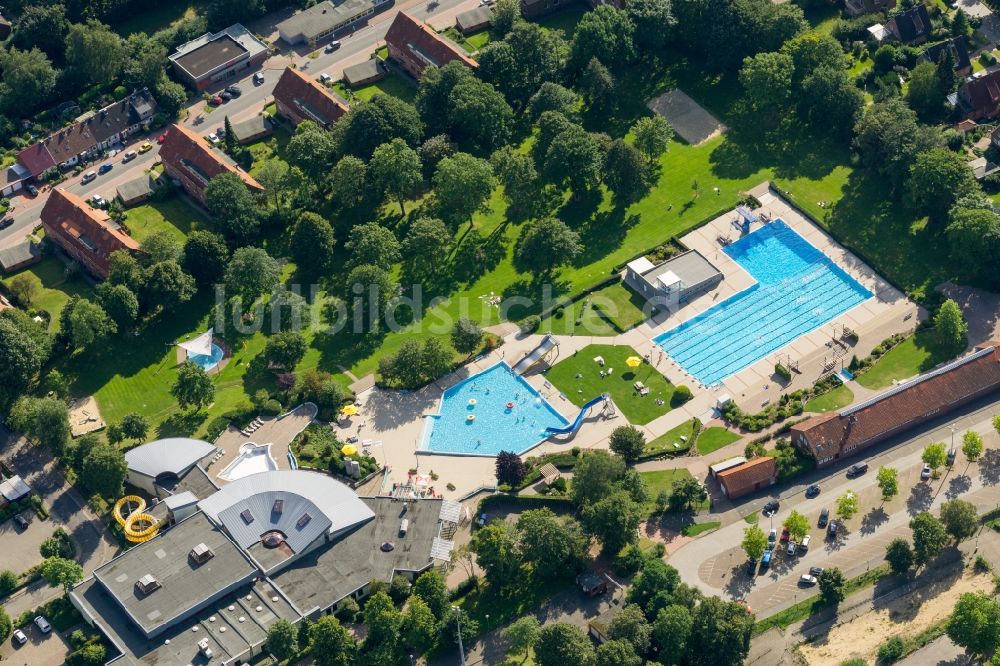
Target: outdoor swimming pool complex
{"type": "Point", "coordinates": [494, 425]}
{"type": "Point", "coordinates": [798, 290]}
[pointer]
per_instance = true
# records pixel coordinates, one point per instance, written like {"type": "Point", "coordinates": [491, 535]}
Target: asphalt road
{"type": "Point", "coordinates": [356, 47]}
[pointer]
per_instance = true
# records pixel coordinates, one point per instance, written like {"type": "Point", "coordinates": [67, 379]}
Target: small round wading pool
{"type": "Point", "coordinates": [207, 361]}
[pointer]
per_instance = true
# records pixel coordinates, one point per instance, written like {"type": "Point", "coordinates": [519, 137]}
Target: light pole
{"type": "Point", "coordinates": [458, 624]}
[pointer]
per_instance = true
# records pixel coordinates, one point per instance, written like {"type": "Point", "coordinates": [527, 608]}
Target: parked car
{"type": "Point", "coordinates": [831, 531]}
{"type": "Point", "coordinates": [43, 624]}
{"type": "Point", "coordinates": [771, 508]}
{"type": "Point", "coordinates": [824, 516]}
{"type": "Point", "coordinates": [772, 536]}
{"type": "Point", "coordinates": [325, 78]}
{"type": "Point", "coordinates": [19, 638]}
{"type": "Point", "coordinates": [89, 176]}
{"type": "Point", "coordinates": [812, 491]}
{"type": "Point", "coordinates": [226, 95]}
{"type": "Point", "coordinates": [212, 138]}
{"type": "Point", "coordinates": [6, 222]}
{"type": "Point", "coordinates": [129, 156]}
{"type": "Point", "coordinates": [765, 561]}
{"type": "Point", "coordinates": [98, 201]}
{"type": "Point", "coordinates": [332, 46]}
{"type": "Point", "coordinates": [816, 571]}
{"type": "Point", "coordinates": [146, 146]}
{"type": "Point", "coordinates": [104, 168]}
{"type": "Point", "coordinates": [235, 91]}
{"type": "Point", "coordinates": [32, 190]}
{"type": "Point", "coordinates": [856, 469]}
{"type": "Point", "coordinates": [162, 137]}
{"type": "Point", "coordinates": [804, 546]}
{"type": "Point", "coordinates": [258, 78]}
{"type": "Point", "coordinates": [807, 580]}
{"type": "Point", "coordinates": [790, 551]}
{"type": "Point", "coordinates": [951, 457]}
{"type": "Point", "coordinates": [21, 521]}
{"type": "Point", "coordinates": [925, 472]}
{"type": "Point", "coordinates": [751, 567]}
{"type": "Point", "coordinates": [785, 535]}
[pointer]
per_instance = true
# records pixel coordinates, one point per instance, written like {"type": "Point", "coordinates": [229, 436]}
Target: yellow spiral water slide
{"type": "Point", "coordinates": [138, 526]}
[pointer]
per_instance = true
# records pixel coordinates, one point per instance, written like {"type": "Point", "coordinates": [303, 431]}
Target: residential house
{"type": "Point", "coordinates": [12, 179]}
{"type": "Point", "coordinates": [748, 477]}
{"type": "Point", "coordinates": [416, 46]}
{"type": "Point", "coordinates": [850, 431]}
{"type": "Point", "coordinates": [86, 234]}
{"type": "Point", "coordinates": [325, 19]}
{"type": "Point", "coordinates": [299, 97]}
{"type": "Point", "coordinates": [20, 255]}
{"type": "Point", "coordinates": [960, 55]}
{"type": "Point", "coordinates": [90, 134]}
{"type": "Point", "coordinates": [979, 97]}
{"type": "Point", "coordinates": [855, 8]}
{"type": "Point", "coordinates": [190, 161]}
{"type": "Point", "coordinates": [912, 26]}
{"type": "Point", "coordinates": [137, 190]}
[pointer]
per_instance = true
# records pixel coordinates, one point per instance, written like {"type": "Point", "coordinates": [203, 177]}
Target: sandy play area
{"type": "Point", "coordinates": [862, 636]}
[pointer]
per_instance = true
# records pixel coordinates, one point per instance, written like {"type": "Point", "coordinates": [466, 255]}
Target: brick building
{"type": "Point", "coordinates": [416, 46]}
{"type": "Point", "coordinates": [299, 97]}
{"type": "Point", "coordinates": [189, 160]}
{"type": "Point", "coordinates": [86, 234]}
{"type": "Point", "coordinates": [748, 477]}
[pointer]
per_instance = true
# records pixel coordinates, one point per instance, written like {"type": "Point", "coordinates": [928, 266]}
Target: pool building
{"type": "Point", "coordinates": [674, 281]}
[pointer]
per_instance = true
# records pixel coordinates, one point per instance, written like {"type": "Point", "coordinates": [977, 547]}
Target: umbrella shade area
{"type": "Point", "coordinates": [633, 361]}
{"type": "Point", "coordinates": [350, 410]}
{"type": "Point", "coordinates": [349, 449]}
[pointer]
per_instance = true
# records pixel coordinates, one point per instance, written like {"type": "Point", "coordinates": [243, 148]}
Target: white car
{"type": "Point", "coordinates": [98, 201]}
{"type": "Point", "coordinates": [325, 78]}
{"type": "Point", "coordinates": [130, 155]}
{"type": "Point", "coordinates": [790, 551]}
{"type": "Point", "coordinates": [332, 46]}
{"type": "Point", "coordinates": [804, 546]}
{"type": "Point", "coordinates": [89, 176]}
{"type": "Point", "coordinates": [925, 473]}
{"type": "Point", "coordinates": [806, 579]}
{"type": "Point", "coordinates": [213, 139]}
{"type": "Point", "coordinates": [43, 624]}
{"type": "Point", "coordinates": [19, 637]}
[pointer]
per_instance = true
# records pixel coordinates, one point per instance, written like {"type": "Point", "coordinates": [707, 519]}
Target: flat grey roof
{"type": "Point", "coordinates": [474, 17]}
{"type": "Point", "coordinates": [185, 585]}
{"type": "Point", "coordinates": [135, 188]}
{"type": "Point", "coordinates": [195, 480]}
{"type": "Point", "coordinates": [205, 58]}
{"type": "Point", "coordinates": [251, 127]}
{"type": "Point", "coordinates": [173, 455]}
{"type": "Point", "coordinates": [182, 647]}
{"type": "Point", "coordinates": [691, 267]}
{"type": "Point", "coordinates": [322, 17]}
{"type": "Point", "coordinates": [362, 71]}
{"type": "Point", "coordinates": [331, 572]}
{"type": "Point", "coordinates": [19, 253]}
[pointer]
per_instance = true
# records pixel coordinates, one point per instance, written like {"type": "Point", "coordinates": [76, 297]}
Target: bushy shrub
{"type": "Point", "coordinates": [783, 372]}
{"type": "Point", "coordinates": [681, 395]}
{"type": "Point", "coordinates": [890, 651]}
{"type": "Point", "coordinates": [629, 560]}
{"type": "Point", "coordinates": [529, 324]}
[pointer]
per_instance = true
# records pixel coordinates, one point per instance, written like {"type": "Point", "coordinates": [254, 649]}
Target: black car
{"type": "Point", "coordinates": [816, 571]}
{"type": "Point", "coordinates": [226, 95]}
{"type": "Point", "coordinates": [235, 91]}
{"type": "Point", "coordinates": [831, 531]}
{"type": "Point", "coordinates": [856, 469]}
{"type": "Point", "coordinates": [21, 521]}
{"type": "Point", "coordinates": [812, 491]}
{"type": "Point", "coordinates": [771, 508]}
{"type": "Point", "coordinates": [32, 190]}
{"type": "Point", "coordinates": [6, 222]}
{"type": "Point", "coordinates": [824, 516]}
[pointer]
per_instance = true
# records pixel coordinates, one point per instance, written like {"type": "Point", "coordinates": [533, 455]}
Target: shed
{"type": "Point", "coordinates": [252, 129]}
{"type": "Point", "coordinates": [474, 20]}
{"type": "Point", "coordinates": [19, 255]}
{"type": "Point", "coordinates": [726, 464]}
{"type": "Point", "coordinates": [549, 473]}
{"type": "Point", "coordinates": [14, 489]}
{"type": "Point", "coordinates": [137, 190]}
{"type": "Point", "coordinates": [364, 73]}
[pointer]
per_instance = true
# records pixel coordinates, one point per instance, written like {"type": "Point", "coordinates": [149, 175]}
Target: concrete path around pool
{"type": "Point", "coordinates": [277, 431]}
{"type": "Point", "coordinates": [396, 420]}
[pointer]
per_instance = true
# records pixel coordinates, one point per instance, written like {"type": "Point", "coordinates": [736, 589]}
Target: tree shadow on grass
{"type": "Point", "coordinates": [873, 519]}
{"type": "Point", "coordinates": [181, 424]}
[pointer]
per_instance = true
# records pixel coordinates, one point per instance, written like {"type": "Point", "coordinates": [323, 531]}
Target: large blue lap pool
{"type": "Point", "coordinates": [798, 290]}
{"type": "Point", "coordinates": [495, 410]}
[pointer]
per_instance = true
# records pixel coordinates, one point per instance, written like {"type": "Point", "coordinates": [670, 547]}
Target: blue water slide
{"type": "Point", "coordinates": [572, 427]}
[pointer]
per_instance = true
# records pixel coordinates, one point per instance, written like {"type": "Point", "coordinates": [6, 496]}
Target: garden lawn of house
{"type": "Point", "coordinates": [393, 84]}
{"type": "Point", "coordinates": [638, 409]}
{"type": "Point", "coordinates": [664, 479]}
{"type": "Point", "coordinates": [272, 147]}
{"type": "Point", "coordinates": [915, 355]}
{"type": "Point", "coordinates": [172, 216]}
{"type": "Point", "coordinates": [831, 400]}
{"type": "Point", "coordinates": [696, 529]}
{"type": "Point", "coordinates": [713, 439]}
{"type": "Point", "coordinates": [54, 287]}
{"type": "Point", "coordinates": [470, 43]}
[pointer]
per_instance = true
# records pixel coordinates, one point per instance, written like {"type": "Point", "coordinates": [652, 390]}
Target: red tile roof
{"type": "Point", "coordinates": [304, 98]}
{"type": "Point", "coordinates": [86, 234]}
{"type": "Point", "coordinates": [931, 395]}
{"type": "Point", "coordinates": [36, 159]}
{"type": "Point", "coordinates": [748, 477]}
{"type": "Point", "coordinates": [982, 93]}
{"type": "Point", "coordinates": [415, 37]}
{"type": "Point", "coordinates": [182, 148]}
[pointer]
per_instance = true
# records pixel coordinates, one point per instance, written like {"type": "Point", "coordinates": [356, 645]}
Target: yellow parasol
{"type": "Point", "coordinates": [349, 449]}
{"type": "Point", "coordinates": [633, 361]}
{"type": "Point", "coordinates": [350, 410]}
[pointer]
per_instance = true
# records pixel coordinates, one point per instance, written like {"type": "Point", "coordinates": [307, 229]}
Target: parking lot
{"type": "Point", "coordinates": [20, 549]}
{"type": "Point", "coordinates": [41, 648]}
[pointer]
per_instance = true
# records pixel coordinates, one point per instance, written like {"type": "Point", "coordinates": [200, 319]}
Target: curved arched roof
{"type": "Point", "coordinates": [173, 455]}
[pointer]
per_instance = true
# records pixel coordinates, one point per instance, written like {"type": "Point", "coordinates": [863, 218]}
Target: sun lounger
{"type": "Point", "coordinates": [599, 360]}
{"type": "Point", "coordinates": [639, 386]}
{"type": "Point", "coordinates": [644, 391]}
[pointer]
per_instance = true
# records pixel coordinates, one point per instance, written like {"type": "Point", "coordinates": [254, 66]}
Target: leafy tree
{"type": "Point", "coordinates": [233, 208]}
{"type": "Point", "coordinates": [655, 578]}
{"type": "Point", "coordinates": [521, 63]}
{"type": "Point", "coordinates": [811, 51]}
{"type": "Point", "coordinates": [251, 273]}
{"type": "Point", "coordinates": [630, 625]}
{"type": "Point", "coordinates": [617, 653]}
{"type": "Point", "coordinates": [671, 630]}
{"type": "Point", "coordinates": [120, 304]}
{"type": "Point", "coordinates": [193, 388]}
{"type": "Point", "coordinates": [289, 311]}
{"type": "Point", "coordinates": [347, 181]}
{"type": "Point", "coordinates": [167, 286]}
{"type": "Point", "coordinates": [21, 357]}
{"type": "Point", "coordinates": [419, 626]}
{"type": "Point", "coordinates": [889, 139]}
{"type": "Point", "coordinates": [373, 245]}
{"type": "Point", "coordinates": [434, 90]}
{"type": "Point", "coordinates": [552, 545]}
{"type": "Point", "coordinates": [562, 643]}
{"type": "Point", "coordinates": [466, 336]}
{"type": "Point", "coordinates": [960, 25]}
{"type": "Point", "coordinates": [929, 537]}
{"type": "Point", "coordinates": [550, 125]}
{"type": "Point", "coordinates": [899, 555]}
{"type": "Point", "coordinates": [934, 455]}
{"type": "Point", "coordinates": [161, 246]}
{"type": "Point", "coordinates": [754, 542]}
{"type": "Point", "coordinates": [888, 482]}
{"type": "Point", "coordinates": [721, 630]}
{"type": "Point", "coordinates": [143, 63]}
{"type": "Point", "coordinates": [552, 97]}
{"type": "Point", "coordinates": [427, 241]}
{"type": "Point", "coordinates": [205, 256]}
{"type": "Point", "coordinates": [285, 349]}
{"type": "Point", "coordinates": [832, 585]}
{"type": "Point", "coordinates": [938, 178]}
{"type": "Point", "coordinates": [457, 620]}
{"type": "Point", "coordinates": [171, 95]}
{"type": "Point", "coordinates": [613, 520]}
{"type": "Point", "coordinates": [972, 445]}
{"type": "Point", "coordinates": [574, 159]}
{"type": "Point", "coordinates": [8, 581]}
{"type": "Point", "coordinates": [519, 178]}
{"type": "Point", "coordinates": [44, 27]}
{"type": "Point", "coordinates": [433, 150]}
{"type": "Point", "coordinates": [135, 426]}
{"type": "Point", "coordinates": [628, 442]}
{"type": "Point", "coordinates": [331, 643]}
{"type": "Point", "coordinates": [950, 326]}
{"type": "Point", "coordinates": [653, 20]}
{"type": "Point", "coordinates": [974, 238]}
{"type": "Point", "coordinates": [51, 423]}
{"type": "Point", "coordinates": [797, 525]}
{"type": "Point", "coordinates": [311, 149]}
{"type": "Point", "coordinates": [767, 80]}
{"type": "Point", "coordinates": [510, 469]}
{"type": "Point", "coordinates": [960, 519]}
{"type": "Point", "coordinates": [94, 52]}
{"type": "Point", "coordinates": [24, 289]}
{"type": "Point", "coordinates": [545, 245]}
{"type": "Point", "coordinates": [104, 470]}
{"type": "Point", "coordinates": [431, 588]}
{"type": "Point", "coordinates": [282, 640]}
{"type": "Point", "coordinates": [831, 101]}
{"type": "Point", "coordinates": [124, 269]}
{"type": "Point", "coordinates": [626, 173]}
{"type": "Point", "coordinates": [975, 623]}
{"type": "Point", "coordinates": [595, 476]}
{"type": "Point", "coordinates": [606, 33]}
{"type": "Point", "coordinates": [396, 170]}
{"type": "Point", "coordinates": [380, 120]}
{"type": "Point", "coordinates": [370, 289]}
{"type": "Point", "coordinates": [479, 117]}
{"type": "Point", "coordinates": [85, 322]}
{"type": "Point", "coordinates": [506, 13]}
{"type": "Point", "coordinates": [61, 572]}
{"type": "Point", "coordinates": [274, 175]}
{"type": "Point", "coordinates": [652, 135]}
{"type": "Point", "coordinates": [687, 491]}
{"type": "Point", "coordinates": [598, 89]}
{"type": "Point", "coordinates": [383, 622]}
{"type": "Point", "coordinates": [27, 82]}
{"type": "Point", "coordinates": [924, 93]}
{"type": "Point", "coordinates": [847, 505]}
{"type": "Point", "coordinates": [463, 185]}
{"type": "Point", "coordinates": [312, 245]}
{"type": "Point", "coordinates": [495, 547]}
{"type": "Point", "coordinates": [522, 634]}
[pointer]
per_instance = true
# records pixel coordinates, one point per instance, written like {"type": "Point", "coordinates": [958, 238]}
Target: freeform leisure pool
{"type": "Point", "coordinates": [508, 414]}
{"type": "Point", "coordinates": [798, 289]}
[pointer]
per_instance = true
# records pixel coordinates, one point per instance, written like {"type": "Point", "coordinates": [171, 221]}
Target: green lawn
{"type": "Point", "coordinates": [637, 409]}
{"type": "Point", "coordinates": [471, 43]}
{"type": "Point", "coordinates": [272, 147]}
{"type": "Point", "coordinates": [696, 529]}
{"type": "Point", "coordinates": [664, 480]}
{"type": "Point", "coordinates": [617, 302]}
{"type": "Point", "coordinates": [172, 216]}
{"type": "Point", "coordinates": [713, 439]}
{"type": "Point", "coordinates": [564, 20]}
{"type": "Point", "coordinates": [54, 288]}
{"type": "Point", "coordinates": [665, 442]}
{"type": "Point", "coordinates": [492, 610]}
{"type": "Point", "coordinates": [831, 400]}
{"type": "Point", "coordinates": [156, 16]}
{"type": "Point", "coordinates": [911, 357]}
{"type": "Point", "coordinates": [393, 84]}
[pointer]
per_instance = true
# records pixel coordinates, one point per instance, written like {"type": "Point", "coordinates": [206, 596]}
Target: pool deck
{"type": "Point", "coordinates": [396, 419]}
{"type": "Point", "coordinates": [277, 431]}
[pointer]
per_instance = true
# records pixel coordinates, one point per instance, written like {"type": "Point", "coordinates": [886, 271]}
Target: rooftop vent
{"type": "Point", "coordinates": [404, 525]}
{"type": "Point", "coordinates": [246, 516]}
{"type": "Point", "coordinates": [201, 553]}
{"type": "Point", "coordinates": [272, 539]}
{"type": "Point", "coordinates": [203, 648]}
{"type": "Point", "coordinates": [279, 506]}
{"type": "Point", "coordinates": [147, 584]}
{"type": "Point", "coordinates": [303, 521]}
